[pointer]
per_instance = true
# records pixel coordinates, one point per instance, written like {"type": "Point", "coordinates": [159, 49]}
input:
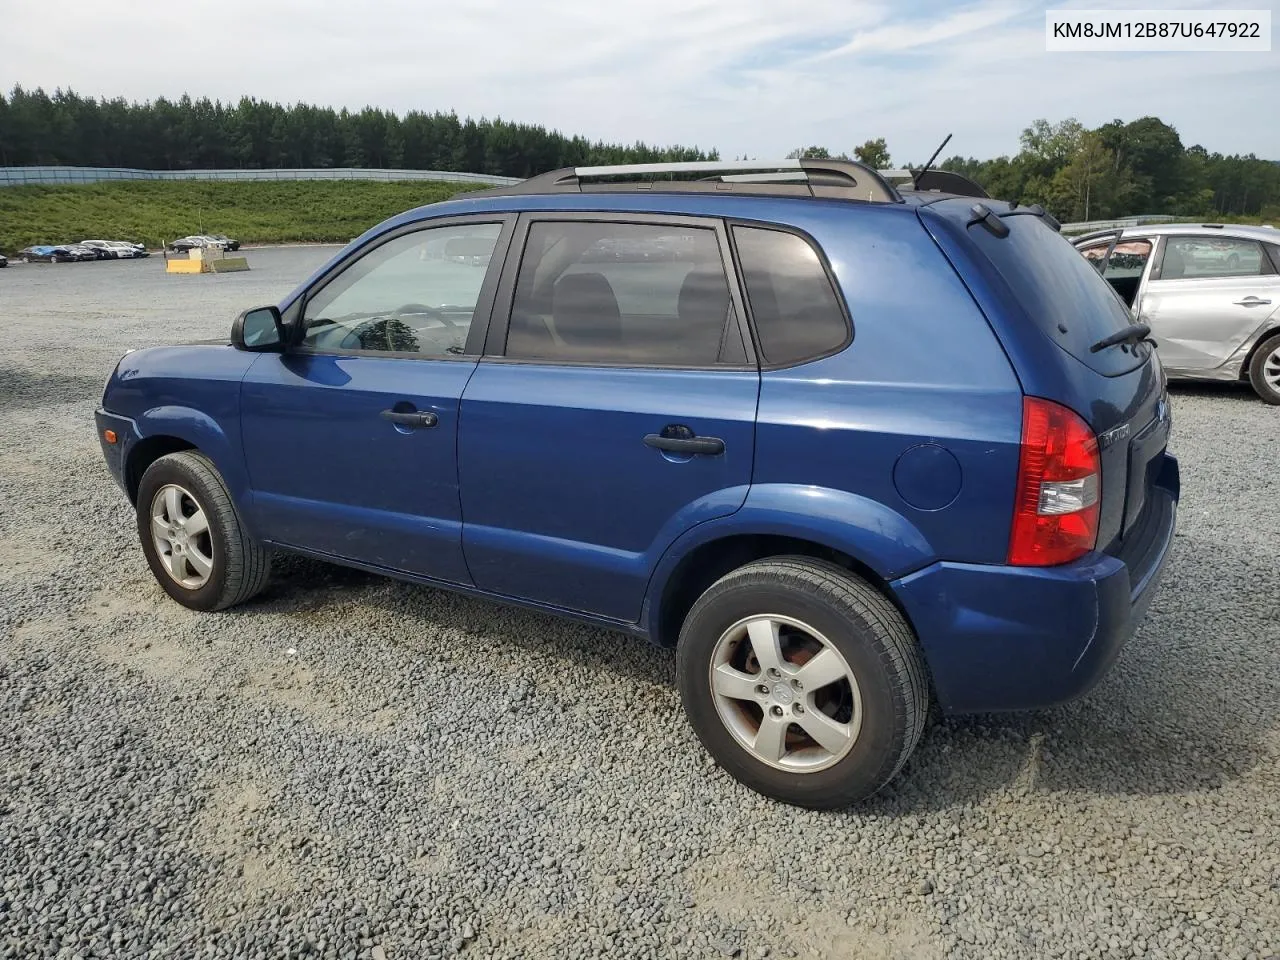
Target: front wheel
{"type": "Point", "coordinates": [192, 537]}
{"type": "Point", "coordinates": [803, 681]}
{"type": "Point", "coordinates": [1264, 370]}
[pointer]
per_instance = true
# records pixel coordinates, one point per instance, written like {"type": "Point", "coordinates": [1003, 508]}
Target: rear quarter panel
{"type": "Point", "coordinates": [921, 414]}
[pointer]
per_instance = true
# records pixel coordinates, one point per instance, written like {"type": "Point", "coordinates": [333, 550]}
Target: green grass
{"type": "Point", "coordinates": [154, 212]}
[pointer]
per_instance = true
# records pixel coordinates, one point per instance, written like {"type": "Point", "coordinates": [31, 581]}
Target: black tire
{"type": "Point", "coordinates": [240, 566]}
{"type": "Point", "coordinates": [1256, 366]}
{"type": "Point", "coordinates": [876, 643]}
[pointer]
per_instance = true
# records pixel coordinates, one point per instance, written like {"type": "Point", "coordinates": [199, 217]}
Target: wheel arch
{"type": "Point", "coordinates": [146, 452]}
{"type": "Point", "coordinates": [702, 565]}
{"type": "Point", "coordinates": [168, 429]}
{"type": "Point", "coordinates": [1269, 333]}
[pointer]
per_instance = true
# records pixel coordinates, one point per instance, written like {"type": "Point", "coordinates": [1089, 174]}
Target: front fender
{"type": "Point", "coordinates": [868, 531]}
{"type": "Point", "coordinates": [205, 434]}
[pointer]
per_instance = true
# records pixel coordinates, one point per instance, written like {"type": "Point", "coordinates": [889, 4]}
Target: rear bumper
{"type": "Point", "coordinates": [116, 454]}
{"type": "Point", "coordinates": [1019, 638]}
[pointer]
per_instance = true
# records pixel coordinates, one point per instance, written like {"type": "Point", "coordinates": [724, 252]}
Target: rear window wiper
{"type": "Point", "coordinates": [1133, 333]}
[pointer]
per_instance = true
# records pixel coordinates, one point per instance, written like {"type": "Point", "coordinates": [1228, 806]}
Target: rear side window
{"type": "Point", "coordinates": [796, 313]}
{"type": "Point", "coordinates": [647, 294]}
{"type": "Point", "coordinates": [1060, 291]}
{"type": "Point", "coordinates": [1192, 258]}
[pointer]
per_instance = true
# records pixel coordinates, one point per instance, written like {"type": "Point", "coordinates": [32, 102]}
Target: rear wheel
{"type": "Point", "coordinates": [192, 537]}
{"type": "Point", "coordinates": [803, 681]}
{"type": "Point", "coordinates": [1264, 370]}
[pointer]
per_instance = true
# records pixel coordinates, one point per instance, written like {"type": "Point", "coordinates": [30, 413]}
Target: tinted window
{"type": "Point", "coordinates": [796, 313]}
{"type": "Point", "coordinates": [1059, 290]}
{"type": "Point", "coordinates": [414, 294]}
{"type": "Point", "coordinates": [1187, 258]}
{"type": "Point", "coordinates": [622, 293]}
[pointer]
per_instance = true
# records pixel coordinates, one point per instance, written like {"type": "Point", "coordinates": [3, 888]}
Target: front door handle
{"type": "Point", "coordinates": [1253, 302]}
{"type": "Point", "coordinates": [706, 446]}
{"type": "Point", "coordinates": [411, 418]}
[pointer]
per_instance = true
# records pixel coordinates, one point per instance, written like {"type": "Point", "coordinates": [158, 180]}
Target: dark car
{"type": "Point", "coordinates": [4, 261]}
{"type": "Point", "coordinates": [101, 249]}
{"type": "Point", "coordinates": [47, 253]}
{"type": "Point", "coordinates": [78, 251]}
{"type": "Point", "coordinates": [226, 241]}
{"type": "Point", "coordinates": [847, 450]}
{"type": "Point", "coordinates": [193, 242]}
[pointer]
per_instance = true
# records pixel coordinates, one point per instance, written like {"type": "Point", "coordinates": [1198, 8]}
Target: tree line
{"type": "Point", "coordinates": [193, 134]}
{"type": "Point", "coordinates": [1124, 169]}
{"type": "Point", "coordinates": [1117, 169]}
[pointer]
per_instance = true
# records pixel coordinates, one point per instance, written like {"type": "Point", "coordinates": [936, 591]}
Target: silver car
{"type": "Point", "coordinates": [1209, 292]}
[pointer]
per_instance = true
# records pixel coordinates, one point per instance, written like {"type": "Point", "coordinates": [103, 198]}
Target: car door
{"type": "Point", "coordinates": [1206, 298]}
{"type": "Point", "coordinates": [350, 435]}
{"type": "Point", "coordinates": [614, 408]}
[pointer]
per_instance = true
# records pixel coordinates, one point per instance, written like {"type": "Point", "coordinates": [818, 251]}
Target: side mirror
{"type": "Point", "coordinates": [259, 329]}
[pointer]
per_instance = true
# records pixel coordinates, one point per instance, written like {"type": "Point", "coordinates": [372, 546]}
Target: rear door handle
{"type": "Point", "coordinates": [411, 418]}
{"type": "Point", "coordinates": [707, 446]}
{"type": "Point", "coordinates": [1253, 302]}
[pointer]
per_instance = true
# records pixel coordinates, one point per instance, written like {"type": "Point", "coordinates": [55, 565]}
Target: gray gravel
{"type": "Point", "coordinates": [353, 767]}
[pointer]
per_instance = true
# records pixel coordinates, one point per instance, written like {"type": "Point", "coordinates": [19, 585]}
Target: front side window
{"type": "Point", "coordinates": [796, 313]}
{"type": "Point", "coordinates": [414, 294]}
{"type": "Point", "coordinates": [1187, 258]}
{"type": "Point", "coordinates": [1128, 258]}
{"type": "Point", "coordinates": [647, 294]}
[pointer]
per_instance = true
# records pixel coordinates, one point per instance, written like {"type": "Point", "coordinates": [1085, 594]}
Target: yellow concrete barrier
{"type": "Point", "coordinates": [198, 264]}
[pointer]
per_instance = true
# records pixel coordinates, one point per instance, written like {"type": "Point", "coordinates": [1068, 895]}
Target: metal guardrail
{"type": "Point", "coordinates": [50, 175]}
{"type": "Point", "coordinates": [1089, 226]}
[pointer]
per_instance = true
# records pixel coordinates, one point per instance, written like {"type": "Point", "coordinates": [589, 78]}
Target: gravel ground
{"type": "Point", "coordinates": [352, 767]}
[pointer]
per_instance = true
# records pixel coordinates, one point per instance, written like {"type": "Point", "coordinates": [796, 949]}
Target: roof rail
{"type": "Point", "coordinates": [840, 179]}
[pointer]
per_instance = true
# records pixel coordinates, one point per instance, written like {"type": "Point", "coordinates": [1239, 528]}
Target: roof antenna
{"type": "Point", "coordinates": [915, 179]}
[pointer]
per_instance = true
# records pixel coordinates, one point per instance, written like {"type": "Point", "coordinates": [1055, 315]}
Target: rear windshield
{"type": "Point", "coordinates": [1059, 288]}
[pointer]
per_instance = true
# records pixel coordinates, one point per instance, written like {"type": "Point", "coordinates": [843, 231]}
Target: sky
{"type": "Point", "coordinates": [749, 77]}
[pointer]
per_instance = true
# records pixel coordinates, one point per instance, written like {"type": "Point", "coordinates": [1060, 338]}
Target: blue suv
{"type": "Point", "coordinates": [849, 449]}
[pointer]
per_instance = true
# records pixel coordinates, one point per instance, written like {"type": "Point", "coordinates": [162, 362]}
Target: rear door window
{"type": "Point", "coordinates": [794, 307]}
{"type": "Point", "coordinates": [623, 293]}
{"type": "Point", "coordinates": [1191, 258]}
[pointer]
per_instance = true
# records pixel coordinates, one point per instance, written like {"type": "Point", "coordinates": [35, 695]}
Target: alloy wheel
{"type": "Point", "coordinates": [1271, 370]}
{"type": "Point", "coordinates": [180, 533]}
{"type": "Point", "coordinates": [785, 693]}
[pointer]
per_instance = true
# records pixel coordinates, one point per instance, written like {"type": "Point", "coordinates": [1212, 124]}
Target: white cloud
{"type": "Point", "coordinates": [916, 32]}
{"type": "Point", "coordinates": [747, 76]}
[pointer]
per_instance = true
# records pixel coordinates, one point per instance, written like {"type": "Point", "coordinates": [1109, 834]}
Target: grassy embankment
{"type": "Point", "coordinates": [154, 212]}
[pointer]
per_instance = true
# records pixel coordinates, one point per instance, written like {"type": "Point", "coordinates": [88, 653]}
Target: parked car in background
{"type": "Point", "coordinates": [846, 449]}
{"type": "Point", "coordinates": [194, 241]}
{"type": "Point", "coordinates": [115, 249]}
{"type": "Point", "coordinates": [226, 241]}
{"type": "Point", "coordinates": [1209, 292]}
{"type": "Point", "coordinates": [101, 249]}
{"type": "Point", "coordinates": [81, 252]}
{"type": "Point", "coordinates": [4, 261]}
{"type": "Point", "coordinates": [48, 253]}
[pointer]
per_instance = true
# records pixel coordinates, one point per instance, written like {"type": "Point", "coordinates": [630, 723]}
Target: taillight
{"type": "Point", "coordinates": [1055, 518]}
